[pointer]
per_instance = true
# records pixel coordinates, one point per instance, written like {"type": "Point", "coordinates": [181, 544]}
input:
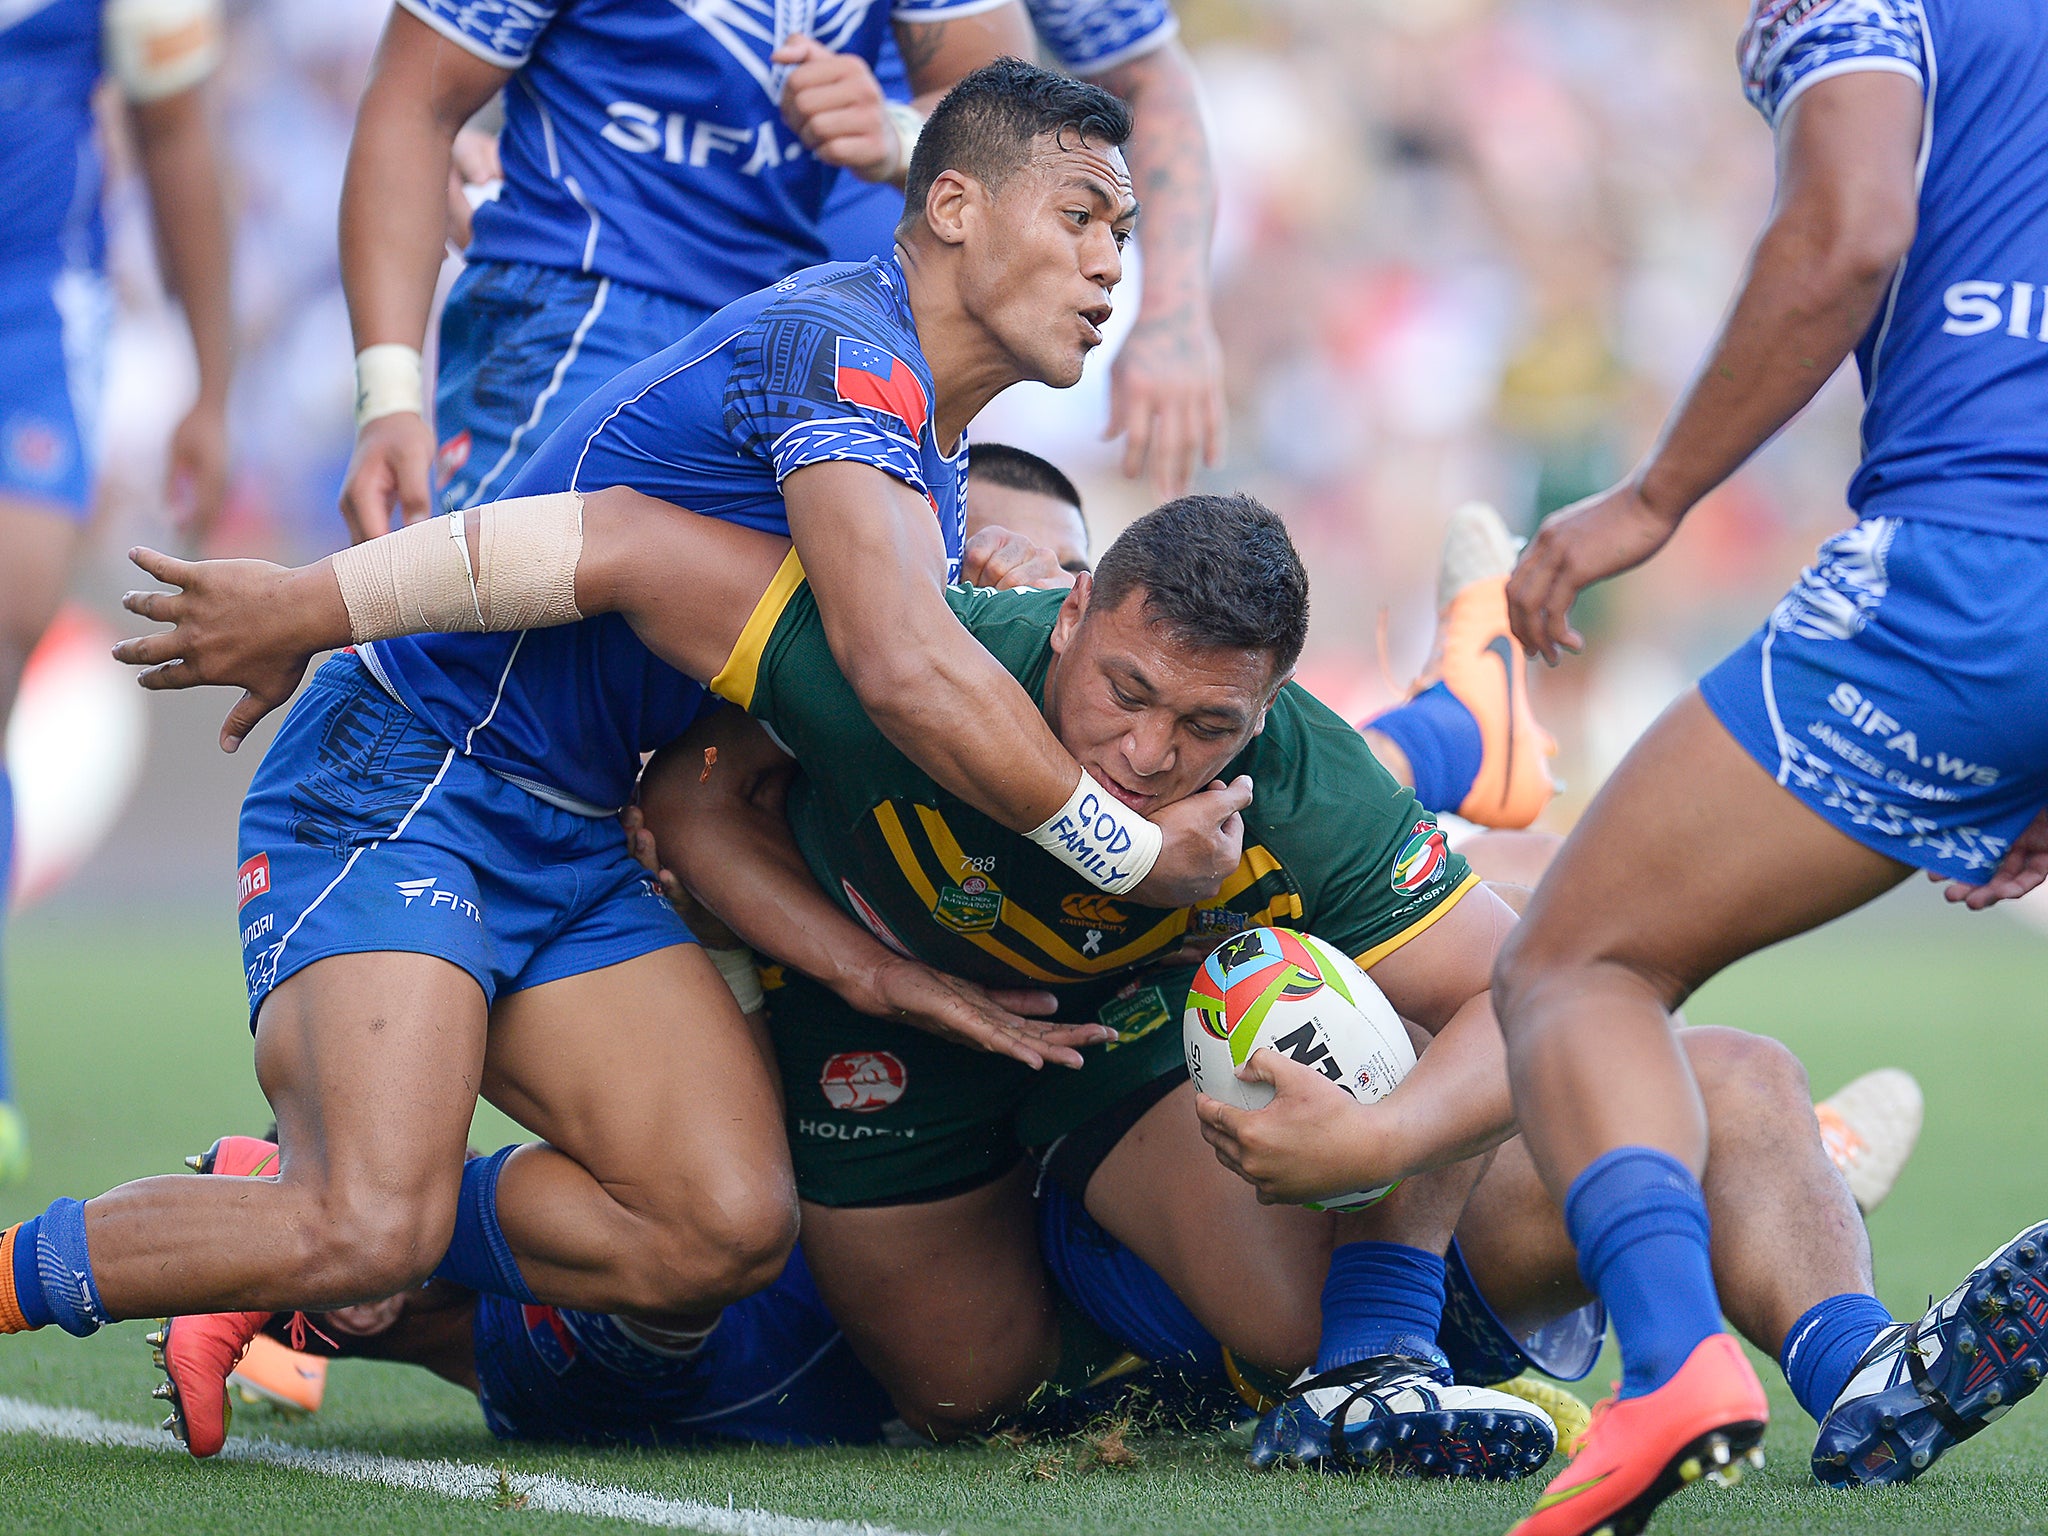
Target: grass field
{"type": "Point", "coordinates": [132, 1053]}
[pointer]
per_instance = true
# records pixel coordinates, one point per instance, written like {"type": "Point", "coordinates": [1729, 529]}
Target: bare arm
{"type": "Point", "coordinates": [1166, 388]}
{"type": "Point", "coordinates": [174, 139]}
{"type": "Point", "coordinates": [394, 220]}
{"type": "Point", "coordinates": [1315, 1139]}
{"type": "Point", "coordinates": [714, 804]}
{"type": "Point", "coordinates": [1846, 211]}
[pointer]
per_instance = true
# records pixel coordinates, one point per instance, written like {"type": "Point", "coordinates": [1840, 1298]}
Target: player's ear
{"type": "Point", "coordinates": [1072, 610]}
{"type": "Point", "coordinates": [1266, 708]}
{"type": "Point", "coordinates": [951, 206]}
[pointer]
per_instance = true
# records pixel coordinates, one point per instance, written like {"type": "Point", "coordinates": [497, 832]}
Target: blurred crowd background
{"type": "Point", "coordinates": [1467, 249]}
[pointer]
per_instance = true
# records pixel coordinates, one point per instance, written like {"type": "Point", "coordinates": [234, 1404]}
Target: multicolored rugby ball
{"type": "Point", "coordinates": [1291, 992]}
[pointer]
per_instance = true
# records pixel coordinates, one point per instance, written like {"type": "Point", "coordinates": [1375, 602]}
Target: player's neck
{"type": "Point", "coordinates": [969, 366]}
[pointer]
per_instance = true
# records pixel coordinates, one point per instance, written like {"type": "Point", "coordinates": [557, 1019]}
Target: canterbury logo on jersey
{"type": "Point", "coordinates": [994, 920]}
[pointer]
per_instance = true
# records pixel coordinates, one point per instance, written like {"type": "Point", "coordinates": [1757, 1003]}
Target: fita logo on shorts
{"type": "Point", "coordinates": [253, 880]}
{"type": "Point", "coordinates": [36, 450]}
{"type": "Point", "coordinates": [863, 1081]}
{"type": "Point", "coordinates": [1423, 858]}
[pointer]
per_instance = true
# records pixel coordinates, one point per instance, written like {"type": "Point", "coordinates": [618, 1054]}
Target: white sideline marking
{"type": "Point", "coordinates": [450, 1479]}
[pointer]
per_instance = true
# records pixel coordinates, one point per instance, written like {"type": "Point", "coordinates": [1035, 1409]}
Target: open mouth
{"type": "Point", "coordinates": [1095, 319]}
{"type": "Point", "coordinates": [1135, 799]}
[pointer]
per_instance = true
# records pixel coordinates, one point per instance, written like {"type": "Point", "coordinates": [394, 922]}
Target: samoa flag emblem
{"type": "Point", "coordinates": [865, 374]}
{"type": "Point", "coordinates": [1422, 858]}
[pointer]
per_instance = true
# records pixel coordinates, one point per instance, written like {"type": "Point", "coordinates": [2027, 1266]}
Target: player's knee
{"type": "Point", "coordinates": [728, 1245]}
{"type": "Point", "coordinates": [361, 1247]}
{"type": "Point", "coordinates": [1283, 1341]}
{"type": "Point", "coordinates": [1743, 1073]}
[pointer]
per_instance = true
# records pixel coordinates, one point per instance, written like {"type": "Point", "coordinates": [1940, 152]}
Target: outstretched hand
{"type": "Point", "coordinates": [234, 623]}
{"type": "Point", "coordinates": [1602, 536]}
{"type": "Point", "coordinates": [1003, 1021]}
{"type": "Point", "coordinates": [2024, 866]}
{"type": "Point", "coordinates": [1312, 1141]}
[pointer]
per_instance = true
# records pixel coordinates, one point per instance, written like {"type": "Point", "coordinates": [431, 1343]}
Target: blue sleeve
{"type": "Point", "coordinates": [810, 383]}
{"type": "Point", "coordinates": [1792, 44]}
{"type": "Point", "coordinates": [500, 32]}
{"type": "Point", "coordinates": [1090, 37]}
{"type": "Point", "coordinates": [916, 11]}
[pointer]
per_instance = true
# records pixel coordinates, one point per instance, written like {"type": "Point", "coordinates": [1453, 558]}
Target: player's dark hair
{"type": "Point", "coordinates": [1000, 464]}
{"type": "Point", "coordinates": [1217, 571]}
{"type": "Point", "coordinates": [986, 125]}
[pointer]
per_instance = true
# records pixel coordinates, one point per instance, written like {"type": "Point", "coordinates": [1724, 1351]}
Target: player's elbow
{"type": "Point", "coordinates": [1847, 246]}
{"type": "Point", "coordinates": [887, 676]}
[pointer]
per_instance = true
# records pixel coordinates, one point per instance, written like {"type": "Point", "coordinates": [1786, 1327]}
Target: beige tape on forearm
{"type": "Point", "coordinates": [418, 580]}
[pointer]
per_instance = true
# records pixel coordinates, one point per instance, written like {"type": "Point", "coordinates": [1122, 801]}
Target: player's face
{"type": "Point", "coordinates": [1154, 719]}
{"type": "Point", "coordinates": [1039, 271]}
{"type": "Point", "coordinates": [1044, 520]}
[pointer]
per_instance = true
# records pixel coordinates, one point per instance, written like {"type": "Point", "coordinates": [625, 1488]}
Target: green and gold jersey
{"type": "Point", "coordinates": [1332, 844]}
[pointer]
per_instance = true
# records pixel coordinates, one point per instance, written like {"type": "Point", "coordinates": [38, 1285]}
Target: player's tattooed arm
{"type": "Point", "coordinates": [1166, 386]}
{"type": "Point", "coordinates": [1315, 1139]}
{"type": "Point", "coordinates": [1846, 211]}
{"type": "Point", "coordinates": [721, 829]}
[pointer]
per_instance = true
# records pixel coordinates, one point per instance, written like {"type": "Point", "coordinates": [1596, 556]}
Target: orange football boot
{"type": "Point", "coordinates": [276, 1374]}
{"type": "Point", "coordinates": [198, 1354]}
{"type": "Point", "coordinates": [1707, 1421]}
{"type": "Point", "coordinates": [1476, 657]}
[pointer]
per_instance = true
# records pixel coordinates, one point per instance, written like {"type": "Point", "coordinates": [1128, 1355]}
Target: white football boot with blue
{"type": "Point", "coordinates": [1401, 1413]}
{"type": "Point", "coordinates": [1926, 1385]}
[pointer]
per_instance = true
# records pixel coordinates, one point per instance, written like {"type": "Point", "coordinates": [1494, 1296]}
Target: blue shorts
{"type": "Point", "coordinates": [364, 830]}
{"type": "Point", "coordinates": [53, 343]}
{"type": "Point", "coordinates": [521, 347]}
{"type": "Point", "coordinates": [775, 1370]}
{"type": "Point", "coordinates": [1898, 690]}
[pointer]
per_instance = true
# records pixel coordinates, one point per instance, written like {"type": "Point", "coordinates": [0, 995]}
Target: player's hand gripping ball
{"type": "Point", "coordinates": [1305, 999]}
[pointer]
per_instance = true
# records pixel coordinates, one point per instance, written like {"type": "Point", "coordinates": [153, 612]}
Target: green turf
{"type": "Point", "coordinates": [132, 1052]}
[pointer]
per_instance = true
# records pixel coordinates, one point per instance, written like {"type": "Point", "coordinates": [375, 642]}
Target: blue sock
{"type": "Point", "coordinates": [1381, 1299]}
{"type": "Point", "coordinates": [59, 1273]}
{"type": "Point", "coordinates": [1442, 742]}
{"type": "Point", "coordinates": [1640, 1224]}
{"type": "Point", "coordinates": [1116, 1290]}
{"type": "Point", "coordinates": [6, 885]}
{"type": "Point", "coordinates": [478, 1257]}
{"type": "Point", "coordinates": [28, 1280]}
{"type": "Point", "coordinates": [1826, 1345]}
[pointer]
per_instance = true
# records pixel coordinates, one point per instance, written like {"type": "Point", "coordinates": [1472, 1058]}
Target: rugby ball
{"type": "Point", "coordinates": [1273, 987]}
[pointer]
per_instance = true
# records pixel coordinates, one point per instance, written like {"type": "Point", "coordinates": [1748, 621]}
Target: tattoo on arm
{"type": "Point", "coordinates": [920, 44]}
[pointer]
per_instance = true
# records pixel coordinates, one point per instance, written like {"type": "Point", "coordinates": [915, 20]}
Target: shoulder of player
{"type": "Point", "coordinates": [1013, 624]}
{"type": "Point", "coordinates": [1307, 758]}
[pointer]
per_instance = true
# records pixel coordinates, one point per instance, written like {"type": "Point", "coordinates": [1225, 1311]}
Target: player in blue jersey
{"type": "Point", "coordinates": [433, 893]}
{"type": "Point", "coordinates": [55, 307]}
{"type": "Point", "coordinates": [1887, 716]}
{"type": "Point", "coordinates": [656, 167]}
{"type": "Point", "coordinates": [1166, 383]}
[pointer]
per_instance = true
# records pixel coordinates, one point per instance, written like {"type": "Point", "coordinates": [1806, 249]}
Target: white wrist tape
{"type": "Point", "coordinates": [419, 581]}
{"type": "Point", "coordinates": [1097, 835]}
{"type": "Point", "coordinates": [738, 969]}
{"type": "Point", "coordinates": [157, 48]}
{"type": "Point", "coordinates": [389, 378]}
{"type": "Point", "coordinates": [909, 123]}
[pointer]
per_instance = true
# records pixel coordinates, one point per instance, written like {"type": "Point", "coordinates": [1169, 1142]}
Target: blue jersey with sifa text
{"type": "Point", "coordinates": [823, 366]}
{"type": "Point", "coordinates": [1955, 366]}
{"type": "Point", "coordinates": [644, 139]}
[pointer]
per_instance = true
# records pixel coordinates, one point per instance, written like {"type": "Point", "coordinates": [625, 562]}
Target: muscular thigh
{"type": "Point", "coordinates": [646, 1074]}
{"type": "Point", "coordinates": [946, 1301]}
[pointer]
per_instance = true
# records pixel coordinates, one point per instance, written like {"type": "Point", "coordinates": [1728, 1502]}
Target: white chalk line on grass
{"type": "Point", "coordinates": [449, 1479]}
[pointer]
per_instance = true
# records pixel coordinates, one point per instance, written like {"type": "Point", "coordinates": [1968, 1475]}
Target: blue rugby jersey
{"type": "Point", "coordinates": [1955, 367]}
{"type": "Point", "coordinates": [644, 139]}
{"type": "Point", "coordinates": [823, 366]}
{"type": "Point", "coordinates": [50, 59]}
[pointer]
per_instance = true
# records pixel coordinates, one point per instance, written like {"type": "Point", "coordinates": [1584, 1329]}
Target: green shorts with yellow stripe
{"type": "Point", "coordinates": [883, 1114]}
